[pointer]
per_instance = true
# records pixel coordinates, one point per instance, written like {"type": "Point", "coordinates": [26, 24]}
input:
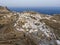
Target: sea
{"type": "Point", "coordinates": [43, 10]}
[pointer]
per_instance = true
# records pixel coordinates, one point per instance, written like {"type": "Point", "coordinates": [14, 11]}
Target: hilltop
{"type": "Point", "coordinates": [28, 28]}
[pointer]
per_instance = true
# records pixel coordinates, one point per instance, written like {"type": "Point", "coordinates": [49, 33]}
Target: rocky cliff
{"type": "Point", "coordinates": [28, 28]}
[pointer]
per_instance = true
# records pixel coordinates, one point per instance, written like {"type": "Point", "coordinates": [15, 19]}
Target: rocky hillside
{"type": "Point", "coordinates": [4, 10]}
{"type": "Point", "coordinates": [28, 28]}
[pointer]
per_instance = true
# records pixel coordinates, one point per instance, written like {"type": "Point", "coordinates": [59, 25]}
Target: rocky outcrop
{"type": "Point", "coordinates": [4, 10]}
{"type": "Point", "coordinates": [28, 28]}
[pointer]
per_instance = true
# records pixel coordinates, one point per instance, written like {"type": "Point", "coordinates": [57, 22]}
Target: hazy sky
{"type": "Point", "coordinates": [30, 3]}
